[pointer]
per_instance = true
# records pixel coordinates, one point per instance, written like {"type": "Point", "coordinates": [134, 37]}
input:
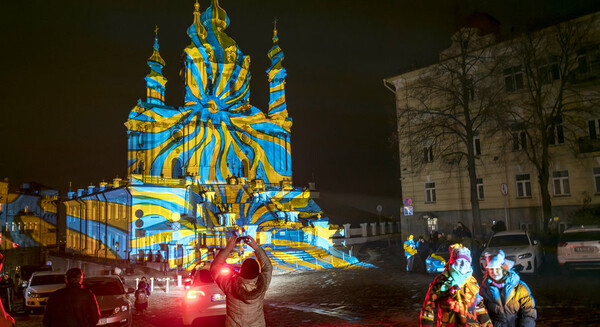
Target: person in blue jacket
{"type": "Point", "coordinates": [506, 297]}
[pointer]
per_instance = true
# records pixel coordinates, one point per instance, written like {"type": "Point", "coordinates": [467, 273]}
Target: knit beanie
{"type": "Point", "coordinates": [497, 260]}
{"type": "Point", "coordinates": [457, 251]}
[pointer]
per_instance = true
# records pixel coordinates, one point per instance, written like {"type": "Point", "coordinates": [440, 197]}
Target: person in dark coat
{"type": "Point", "coordinates": [7, 291]}
{"type": "Point", "coordinates": [505, 295]}
{"type": "Point", "coordinates": [141, 296]}
{"type": "Point", "coordinates": [245, 292]}
{"type": "Point", "coordinates": [423, 251]}
{"type": "Point", "coordinates": [72, 306]}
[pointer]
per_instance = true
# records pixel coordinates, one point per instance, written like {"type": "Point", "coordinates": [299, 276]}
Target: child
{"type": "Point", "coordinates": [455, 293]}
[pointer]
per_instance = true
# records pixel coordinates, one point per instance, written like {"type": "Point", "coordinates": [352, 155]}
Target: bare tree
{"type": "Point", "coordinates": [549, 102]}
{"type": "Point", "coordinates": [449, 104]}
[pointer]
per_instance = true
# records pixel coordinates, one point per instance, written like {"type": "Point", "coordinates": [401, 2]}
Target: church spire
{"type": "Point", "coordinates": [215, 16]}
{"type": "Point", "coordinates": [276, 75]}
{"type": "Point", "coordinates": [155, 81]}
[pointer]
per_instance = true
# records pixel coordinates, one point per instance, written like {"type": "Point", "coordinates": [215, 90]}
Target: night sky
{"type": "Point", "coordinates": [72, 70]}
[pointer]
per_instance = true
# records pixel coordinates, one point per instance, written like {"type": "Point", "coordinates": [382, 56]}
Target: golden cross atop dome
{"type": "Point", "coordinates": [156, 30]}
{"type": "Point", "coordinates": [275, 20]}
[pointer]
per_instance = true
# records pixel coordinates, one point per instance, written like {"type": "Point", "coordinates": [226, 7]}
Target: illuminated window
{"type": "Point", "coordinates": [560, 182]}
{"type": "Point", "coordinates": [523, 182]}
{"type": "Point", "coordinates": [430, 192]}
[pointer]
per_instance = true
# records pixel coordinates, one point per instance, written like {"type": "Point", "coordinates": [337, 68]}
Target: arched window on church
{"type": "Point", "coordinates": [176, 168]}
{"type": "Point", "coordinates": [245, 167]}
{"type": "Point", "coordinates": [140, 169]}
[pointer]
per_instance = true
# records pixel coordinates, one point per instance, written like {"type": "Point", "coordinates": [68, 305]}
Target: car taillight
{"type": "Point", "coordinates": [562, 244]}
{"type": "Point", "coordinates": [193, 294]}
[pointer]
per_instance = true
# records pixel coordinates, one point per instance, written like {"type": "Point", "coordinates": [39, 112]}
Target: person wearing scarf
{"type": "Point", "coordinates": [455, 294]}
{"type": "Point", "coordinates": [245, 292]}
{"type": "Point", "coordinates": [506, 296]}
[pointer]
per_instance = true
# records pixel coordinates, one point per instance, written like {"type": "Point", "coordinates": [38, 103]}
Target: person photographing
{"type": "Point", "coordinates": [245, 291]}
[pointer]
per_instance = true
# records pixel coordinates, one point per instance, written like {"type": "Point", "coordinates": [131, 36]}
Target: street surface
{"type": "Point", "coordinates": [387, 296]}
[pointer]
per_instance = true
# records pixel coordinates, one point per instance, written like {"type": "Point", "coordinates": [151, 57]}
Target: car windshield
{"type": "Point", "coordinates": [47, 280]}
{"type": "Point", "coordinates": [582, 236]}
{"type": "Point", "coordinates": [104, 287]}
{"type": "Point", "coordinates": [509, 240]}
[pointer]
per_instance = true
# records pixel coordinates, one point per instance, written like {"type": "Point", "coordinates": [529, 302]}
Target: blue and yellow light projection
{"type": "Point", "coordinates": [215, 165]}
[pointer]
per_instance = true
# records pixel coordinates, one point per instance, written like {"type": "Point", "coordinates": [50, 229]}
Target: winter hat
{"type": "Point", "coordinates": [498, 261]}
{"type": "Point", "coordinates": [410, 237]}
{"type": "Point", "coordinates": [457, 251]}
{"type": "Point", "coordinates": [250, 269]}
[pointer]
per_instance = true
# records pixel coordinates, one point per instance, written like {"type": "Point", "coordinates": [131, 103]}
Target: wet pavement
{"type": "Point", "coordinates": [386, 296]}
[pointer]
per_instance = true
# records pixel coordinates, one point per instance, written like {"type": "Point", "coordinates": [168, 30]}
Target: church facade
{"type": "Point", "coordinates": [199, 172]}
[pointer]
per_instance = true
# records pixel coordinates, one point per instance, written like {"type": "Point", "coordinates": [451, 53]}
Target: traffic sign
{"type": "Point", "coordinates": [504, 189]}
{"type": "Point", "coordinates": [408, 210]}
{"type": "Point", "coordinates": [407, 202]}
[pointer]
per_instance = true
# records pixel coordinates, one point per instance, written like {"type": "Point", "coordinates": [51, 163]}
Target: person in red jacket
{"type": "Point", "coordinates": [245, 291]}
{"type": "Point", "coordinates": [72, 306]}
{"type": "Point", "coordinates": [5, 318]}
{"type": "Point", "coordinates": [455, 295]}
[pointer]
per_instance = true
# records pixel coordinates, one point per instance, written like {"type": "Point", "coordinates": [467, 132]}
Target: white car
{"type": "Point", "coordinates": [204, 299]}
{"type": "Point", "coordinates": [40, 286]}
{"type": "Point", "coordinates": [579, 247]}
{"type": "Point", "coordinates": [519, 247]}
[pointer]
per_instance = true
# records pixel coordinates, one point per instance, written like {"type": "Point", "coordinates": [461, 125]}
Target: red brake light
{"type": "Point", "coordinates": [194, 294]}
{"type": "Point", "coordinates": [562, 244]}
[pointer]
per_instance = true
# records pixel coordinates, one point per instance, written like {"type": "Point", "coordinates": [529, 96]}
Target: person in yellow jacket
{"type": "Point", "coordinates": [455, 295]}
{"type": "Point", "coordinates": [410, 249]}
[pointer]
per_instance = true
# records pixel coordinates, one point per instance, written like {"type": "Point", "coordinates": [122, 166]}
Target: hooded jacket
{"type": "Point", "coordinates": [511, 305]}
{"type": "Point", "coordinates": [244, 296]}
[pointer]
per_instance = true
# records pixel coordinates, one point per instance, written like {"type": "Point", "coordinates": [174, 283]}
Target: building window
{"type": "Point", "coordinates": [513, 79]}
{"type": "Point", "coordinates": [597, 180]}
{"type": "Point", "coordinates": [519, 140]}
{"type": "Point", "coordinates": [523, 185]}
{"type": "Point", "coordinates": [560, 182]}
{"type": "Point", "coordinates": [428, 153]}
{"type": "Point", "coordinates": [557, 133]}
{"type": "Point", "coordinates": [429, 192]}
{"type": "Point", "coordinates": [476, 145]}
{"type": "Point", "coordinates": [594, 129]}
{"type": "Point", "coordinates": [548, 71]}
{"type": "Point", "coordinates": [480, 194]}
{"type": "Point", "coordinates": [584, 65]}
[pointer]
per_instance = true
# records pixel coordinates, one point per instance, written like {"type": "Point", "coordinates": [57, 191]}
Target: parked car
{"type": "Point", "coordinates": [436, 261]}
{"type": "Point", "coordinates": [204, 298]}
{"type": "Point", "coordinates": [579, 247]}
{"type": "Point", "coordinates": [113, 301]}
{"type": "Point", "coordinates": [23, 274]}
{"type": "Point", "coordinates": [519, 247]}
{"type": "Point", "coordinates": [40, 286]}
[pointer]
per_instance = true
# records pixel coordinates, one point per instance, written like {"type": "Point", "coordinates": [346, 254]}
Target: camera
{"type": "Point", "coordinates": [242, 239]}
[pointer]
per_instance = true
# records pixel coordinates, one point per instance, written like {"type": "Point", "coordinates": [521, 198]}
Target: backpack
{"type": "Point", "coordinates": [141, 296]}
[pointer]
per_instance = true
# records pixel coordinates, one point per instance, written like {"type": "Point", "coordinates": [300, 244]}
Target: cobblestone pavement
{"type": "Point", "coordinates": [386, 296]}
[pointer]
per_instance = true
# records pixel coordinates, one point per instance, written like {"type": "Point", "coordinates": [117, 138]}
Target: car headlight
{"type": "Point", "coordinates": [525, 256]}
{"type": "Point", "coordinates": [34, 295]}
{"type": "Point", "coordinates": [122, 308]}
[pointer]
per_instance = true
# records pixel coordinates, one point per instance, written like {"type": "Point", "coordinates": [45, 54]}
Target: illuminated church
{"type": "Point", "coordinates": [198, 172]}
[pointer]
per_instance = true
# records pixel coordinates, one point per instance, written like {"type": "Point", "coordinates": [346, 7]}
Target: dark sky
{"type": "Point", "coordinates": [72, 70]}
